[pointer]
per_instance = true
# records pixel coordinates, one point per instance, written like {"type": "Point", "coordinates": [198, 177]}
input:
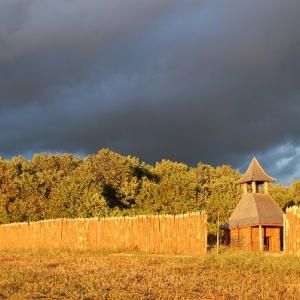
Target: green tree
{"type": "Point", "coordinates": [204, 174]}
{"type": "Point", "coordinates": [225, 193]}
{"type": "Point", "coordinates": [16, 206]}
{"type": "Point", "coordinates": [218, 194]}
{"type": "Point", "coordinates": [282, 195]}
{"type": "Point", "coordinates": [4, 215]}
{"type": "Point", "coordinates": [173, 191]}
{"type": "Point", "coordinates": [118, 176]}
{"type": "Point", "coordinates": [73, 198]}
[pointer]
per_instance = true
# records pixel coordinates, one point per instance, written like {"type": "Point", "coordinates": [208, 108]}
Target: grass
{"type": "Point", "coordinates": [57, 274]}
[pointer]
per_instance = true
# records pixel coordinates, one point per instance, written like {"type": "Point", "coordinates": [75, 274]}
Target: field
{"type": "Point", "coordinates": [56, 274]}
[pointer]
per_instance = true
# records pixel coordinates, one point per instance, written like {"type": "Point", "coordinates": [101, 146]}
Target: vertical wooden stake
{"type": "Point", "coordinates": [260, 238]}
{"type": "Point", "coordinates": [218, 232]}
{"type": "Point", "coordinates": [284, 237]}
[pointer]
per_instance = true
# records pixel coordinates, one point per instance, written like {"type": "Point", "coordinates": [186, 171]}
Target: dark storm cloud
{"type": "Point", "coordinates": [191, 81]}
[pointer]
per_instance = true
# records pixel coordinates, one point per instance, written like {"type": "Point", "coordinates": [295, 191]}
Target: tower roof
{"type": "Point", "coordinates": [255, 172]}
{"type": "Point", "coordinates": [254, 209]}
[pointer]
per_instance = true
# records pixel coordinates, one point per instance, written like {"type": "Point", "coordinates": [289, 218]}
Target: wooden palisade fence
{"type": "Point", "coordinates": [174, 234]}
{"type": "Point", "coordinates": [292, 231]}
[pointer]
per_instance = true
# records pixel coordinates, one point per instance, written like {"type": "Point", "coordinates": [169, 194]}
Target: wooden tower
{"type": "Point", "coordinates": [256, 221]}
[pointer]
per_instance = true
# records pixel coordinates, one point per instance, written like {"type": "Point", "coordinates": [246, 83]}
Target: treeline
{"type": "Point", "coordinates": [108, 184]}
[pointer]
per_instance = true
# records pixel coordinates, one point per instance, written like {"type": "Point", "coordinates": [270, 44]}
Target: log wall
{"type": "Point", "coordinates": [247, 238]}
{"type": "Point", "coordinates": [292, 231]}
{"type": "Point", "coordinates": [176, 234]}
{"type": "Point", "coordinates": [240, 238]}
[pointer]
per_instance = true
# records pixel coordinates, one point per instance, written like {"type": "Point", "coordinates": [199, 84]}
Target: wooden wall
{"type": "Point", "coordinates": [176, 234]}
{"type": "Point", "coordinates": [255, 240]}
{"type": "Point", "coordinates": [247, 238]}
{"type": "Point", "coordinates": [292, 230]}
{"type": "Point", "coordinates": [240, 238]}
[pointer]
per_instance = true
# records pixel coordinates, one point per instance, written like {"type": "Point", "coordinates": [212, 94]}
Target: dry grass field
{"type": "Point", "coordinates": [56, 274]}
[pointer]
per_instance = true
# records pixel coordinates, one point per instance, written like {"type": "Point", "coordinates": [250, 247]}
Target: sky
{"type": "Point", "coordinates": [216, 82]}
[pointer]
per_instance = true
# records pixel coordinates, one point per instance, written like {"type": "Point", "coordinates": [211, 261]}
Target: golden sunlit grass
{"type": "Point", "coordinates": [54, 274]}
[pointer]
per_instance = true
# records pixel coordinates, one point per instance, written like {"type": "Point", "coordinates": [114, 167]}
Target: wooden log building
{"type": "Point", "coordinates": [257, 221]}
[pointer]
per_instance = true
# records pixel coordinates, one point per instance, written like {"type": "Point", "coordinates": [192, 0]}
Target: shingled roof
{"type": "Point", "coordinates": [256, 209]}
{"type": "Point", "coordinates": [255, 173]}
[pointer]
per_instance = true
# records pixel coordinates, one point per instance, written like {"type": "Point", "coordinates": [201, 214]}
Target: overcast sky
{"type": "Point", "coordinates": [210, 81]}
